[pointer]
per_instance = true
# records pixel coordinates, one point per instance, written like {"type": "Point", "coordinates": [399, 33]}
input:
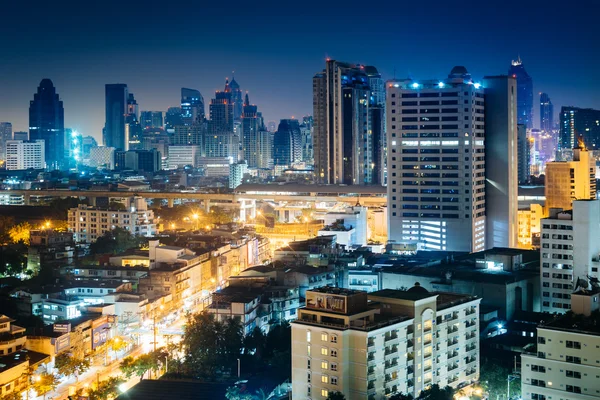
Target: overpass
{"type": "Point", "coordinates": [367, 195]}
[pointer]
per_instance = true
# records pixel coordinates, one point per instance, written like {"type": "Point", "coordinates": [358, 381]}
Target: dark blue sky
{"type": "Point", "coordinates": [276, 47]}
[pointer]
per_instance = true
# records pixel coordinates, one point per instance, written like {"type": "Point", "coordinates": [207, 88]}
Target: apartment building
{"type": "Point", "coordinates": [570, 249]}
{"type": "Point", "coordinates": [567, 363]}
{"type": "Point", "coordinates": [570, 180]}
{"type": "Point", "coordinates": [25, 155]}
{"type": "Point", "coordinates": [371, 345]}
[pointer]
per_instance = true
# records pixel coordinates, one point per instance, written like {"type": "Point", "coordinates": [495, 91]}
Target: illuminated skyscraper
{"type": "Point", "coordinates": [287, 143]}
{"type": "Point", "coordinates": [579, 123]}
{"type": "Point", "coordinates": [151, 119]}
{"type": "Point", "coordinates": [237, 98]}
{"type": "Point", "coordinates": [173, 117]}
{"type": "Point", "coordinates": [46, 122]}
{"type": "Point", "coordinates": [546, 113]}
{"type": "Point", "coordinates": [116, 96]}
{"type": "Point", "coordinates": [221, 140]}
{"type": "Point", "coordinates": [5, 135]}
{"type": "Point", "coordinates": [192, 106]}
{"type": "Point", "coordinates": [251, 124]}
{"type": "Point", "coordinates": [524, 93]}
{"type": "Point", "coordinates": [133, 129]}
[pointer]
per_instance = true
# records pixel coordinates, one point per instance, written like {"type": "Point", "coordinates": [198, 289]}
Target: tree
{"type": "Point", "coordinates": [45, 383]}
{"type": "Point", "coordinates": [14, 395]}
{"type": "Point", "coordinates": [116, 344]}
{"type": "Point", "coordinates": [107, 389]}
{"type": "Point", "coordinates": [68, 365]}
{"type": "Point", "coordinates": [336, 396]}
{"type": "Point", "coordinates": [401, 396]}
{"type": "Point", "coordinates": [20, 233]}
{"type": "Point", "coordinates": [116, 241]}
{"type": "Point", "coordinates": [128, 367]}
{"type": "Point", "coordinates": [143, 364]}
{"type": "Point", "coordinates": [437, 393]}
{"type": "Point", "coordinates": [493, 380]}
{"type": "Point", "coordinates": [5, 224]}
{"type": "Point", "coordinates": [116, 206]}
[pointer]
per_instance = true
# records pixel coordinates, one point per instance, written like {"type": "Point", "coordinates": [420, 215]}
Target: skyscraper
{"type": "Point", "coordinates": [567, 181]}
{"type": "Point", "coordinates": [524, 154]}
{"type": "Point", "coordinates": [173, 117]}
{"type": "Point", "coordinates": [251, 125]}
{"type": "Point", "coordinates": [151, 119]}
{"type": "Point", "coordinates": [546, 113]}
{"type": "Point", "coordinates": [579, 123]}
{"type": "Point", "coordinates": [191, 134]}
{"type": "Point", "coordinates": [344, 149]}
{"type": "Point", "coordinates": [133, 129]}
{"type": "Point", "coordinates": [237, 98]}
{"type": "Point", "coordinates": [116, 96]}
{"type": "Point", "coordinates": [5, 135]}
{"type": "Point", "coordinates": [192, 106]}
{"type": "Point", "coordinates": [221, 111]}
{"type": "Point", "coordinates": [439, 162]}
{"type": "Point", "coordinates": [524, 93]}
{"type": "Point", "coordinates": [47, 122]}
{"type": "Point", "coordinates": [287, 143]}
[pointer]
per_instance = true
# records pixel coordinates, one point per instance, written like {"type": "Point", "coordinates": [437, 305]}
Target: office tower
{"type": "Point", "coordinates": [251, 124]}
{"type": "Point", "coordinates": [265, 149]}
{"type": "Point", "coordinates": [87, 144]}
{"type": "Point", "coordinates": [221, 111]}
{"type": "Point", "coordinates": [173, 117]}
{"type": "Point", "coordinates": [436, 163]}
{"type": "Point", "coordinates": [287, 143]}
{"type": "Point", "coordinates": [236, 174]}
{"type": "Point", "coordinates": [570, 180]}
{"type": "Point", "coordinates": [272, 126]}
{"type": "Point", "coordinates": [74, 150]}
{"type": "Point", "coordinates": [501, 160]}
{"type": "Point", "coordinates": [47, 122]}
{"type": "Point", "coordinates": [182, 156]}
{"type": "Point", "coordinates": [25, 155]}
{"type": "Point", "coordinates": [524, 93]}
{"type": "Point", "coordinates": [371, 345]}
{"type": "Point", "coordinates": [306, 135]}
{"type": "Point", "coordinates": [377, 121]}
{"type": "Point", "coordinates": [20, 135]}
{"type": "Point", "coordinates": [237, 98]}
{"type": "Point", "coordinates": [133, 129]}
{"type": "Point", "coordinates": [192, 106]}
{"type": "Point", "coordinates": [5, 135]}
{"type": "Point", "coordinates": [223, 144]}
{"type": "Point", "coordinates": [566, 363]}
{"type": "Point", "coordinates": [188, 134]}
{"type": "Point", "coordinates": [143, 160]}
{"type": "Point", "coordinates": [524, 154]}
{"type": "Point", "coordinates": [116, 96]}
{"type": "Point", "coordinates": [151, 119]}
{"type": "Point", "coordinates": [546, 113]}
{"type": "Point", "coordinates": [344, 149]}
{"type": "Point", "coordinates": [570, 245]}
{"type": "Point", "coordinates": [579, 123]}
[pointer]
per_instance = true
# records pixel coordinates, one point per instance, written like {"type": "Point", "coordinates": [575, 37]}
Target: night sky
{"type": "Point", "coordinates": [276, 47]}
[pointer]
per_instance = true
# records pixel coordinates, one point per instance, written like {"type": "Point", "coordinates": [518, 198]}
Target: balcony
{"type": "Point", "coordinates": [391, 364]}
{"type": "Point", "coordinates": [470, 347]}
{"type": "Point", "coordinates": [470, 360]}
{"type": "Point", "coordinates": [452, 329]}
{"type": "Point", "coordinates": [390, 337]}
{"type": "Point", "coordinates": [452, 367]}
{"type": "Point", "coordinates": [469, 324]}
{"type": "Point", "coordinates": [470, 311]}
{"type": "Point", "coordinates": [471, 371]}
{"type": "Point", "coordinates": [371, 342]}
{"type": "Point", "coordinates": [452, 355]}
{"type": "Point", "coordinates": [453, 342]}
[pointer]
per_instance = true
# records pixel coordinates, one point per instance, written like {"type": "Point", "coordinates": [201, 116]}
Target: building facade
{"type": "Point", "coordinates": [570, 180]}
{"type": "Point", "coordinates": [47, 122]}
{"type": "Point", "coordinates": [524, 93]}
{"type": "Point", "coordinates": [546, 113]}
{"type": "Point", "coordinates": [579, 124]}
{"type": "Point", "coordinates": [181, 156]}
{"type": "Point", "coordinates": [287, 143]}
{"type": "Point", "coordinates": [5, 135]}
{"type": "Point", "coordinates": [25, 155]}
{"type": "Point", "coordinates": [192, 107]}
{"type": "Point", "coordinates": [116, 97]}
{"type": "Point", "coordinates": [411, 340]}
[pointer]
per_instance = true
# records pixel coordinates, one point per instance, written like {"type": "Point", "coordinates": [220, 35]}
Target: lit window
{"type": "Point", "coordinates": [324, 337]}
{"type": "Point", "coordinates": [308, 336]}
{"type": "Point", "coordinates": [308, 349]}
{"type": "Point", "coordinates": [324, 351]}
{"type": "Point", "coordinates": [324, 365]}
{"type": "Point", "coordinates": [324, 392]}
{"type": "Point", "coordinates": [324, 379]}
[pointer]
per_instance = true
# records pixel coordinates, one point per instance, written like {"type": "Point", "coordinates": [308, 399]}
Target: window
{"type": "Point", "coordinates": [324, 351]}
{"type": "Point", "coordinates": [333, 353]}
{"type": "Point", "coordinates": [324, 337]}
{"type": "Point", "coordinates": [308, 364]}
{"type": "Point", "coordinates": [333, 339]}
{"type": "Point", "coordinates": [324, 393]}
{"type": "Point", "coordinates": [574, 360]}
{"type": "Point", "coordinates": [308, 336]}
{"type": "Point", "coordinates": [333, 366]}
{"type": "Point", "coordinates": [324, 365]}
{"type": "Point", "coordinates": [573, 345]}
{"type": "Point", "coordinates": [324, 379]}
{"type": "Point", "coordinates": [308, 350]}
{"type": "Point", "coordinates": [334, 380]}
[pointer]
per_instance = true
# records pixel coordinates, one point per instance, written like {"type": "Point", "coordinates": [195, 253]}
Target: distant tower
{"type": "Point", "coordinates": [47, 122]}
{"type": "Point", "coordinates": [546, 113]}
{"type": "Point", "coordinates": [236, 97]}
{"type": "Point", "coordinates": [524, 93]}
{"type": "Point", "coordinates": [287, 143]}
{"type": "Point", "coordinates": [251, 124]}
{"type": "Point", "coordinates": [5, 135]}
{"type": "Point", "coordinates": [116, 96]}
{"type": "Point", "coordinates": [192, 106]}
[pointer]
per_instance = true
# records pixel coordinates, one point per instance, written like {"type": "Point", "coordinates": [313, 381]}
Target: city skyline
{"type": "Point", "coordinates": [80, 65]}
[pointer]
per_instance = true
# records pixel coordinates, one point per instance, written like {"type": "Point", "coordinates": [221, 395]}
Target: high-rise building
{"type": "Point", "coordinates": [371, 345]}
{"type": "Point", "coordinates": [182, 156]}
{"type": "Point", "coordinates": [524, 154]}
{"type": "Point", "coordinates": [566, 364]}
{"type": "Point", "coordinates": [265, 149]}
{"type": "Point", "coordinates": [47, 122]}
{"type": "Point", "coordinates": [570, 180]}
{"type": "Point", "coordinates": [87, 144]}
{"type": "Point", "coordinates": [25, 155]}
{"type": "Point", "coordinates": [252, 124]}
{"type": "Point", "coordinates": [5, 135]}
{"type": "Point", "coordinates": [345, 151]}
{"type": "Point", "coordinates": [192, 106]}
{"type": "Point", "coordinates": [524, 93]}
{"type": "Point", "coordinates": [287, 143]}
{"type": "Point", "coordinates": [546, 113]}
{"type": "Point", "coordinates": [306, 134]}
{"type": "Point", "coordinates": [116, 96]}
{"type": "Point", "coordinates": [221, 111]}
{"type": "Point", "coordinates": [173, 117]}
{"type": "Point", "coordinates": [237, 98]}
{"type": "Point", "coordinates": [143, 160]}
{"type": "Point", "coordinates": [188, 134]}
{"type": "Point", "coordinates": [102, 157]}
{"type": "Point", "coordinates": [570, 245]}
{"type": "Point", "coordinates": [133, 129]}
{"type": "Point", "coordinates": [236, 174]}
{"type": "Point", "coordinates": [579, 124]}
{"type": "Point", "coordinates": [21, 135]}
{"type": "Point", "coordinates": [151, 119]}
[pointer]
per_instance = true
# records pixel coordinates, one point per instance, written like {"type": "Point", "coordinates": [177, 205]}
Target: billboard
{"type": "Point", "coordinates": [100, 335]}
{"type": "Point", "coordinates": [61, 343]}
{"type": "Point", "coordinates": [326, 302]}
{"type": "Point", "coordinates": [62, 328]}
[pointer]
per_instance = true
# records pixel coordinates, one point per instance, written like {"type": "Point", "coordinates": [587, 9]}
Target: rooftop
{"type": "Point", "coordinates": [576, 323]}
{"type": "Point", "coordinates": [12, 360]}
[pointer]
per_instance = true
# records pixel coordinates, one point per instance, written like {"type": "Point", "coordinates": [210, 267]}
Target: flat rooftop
{"type": "Point", "coordinates": [576, 323]}
{"type": "Point", "coordinates": [12, 360]}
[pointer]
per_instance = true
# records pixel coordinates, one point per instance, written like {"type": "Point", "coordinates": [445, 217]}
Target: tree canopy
{"type": "Point", "coordinates": [116, 241]}
{"type": "Point", "coordinates": [68, 365]}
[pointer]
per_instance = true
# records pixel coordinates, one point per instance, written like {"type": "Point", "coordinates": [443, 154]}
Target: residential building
{"type": "Point", "coordinates": [265, 149]}
{"type": "Point", "coordinates": [404, 341]}
{"type": "Point", "coordinates": [116, 97]}
{"type": "Point", "coordinates": [89, 223]}
{"type": "Point", "coordinates": [570, 252]}
{"type": "Point", "coordinates": [25, 155]}
{"type": "Point", "coordinates": [5, 135]}
{"type": "Point", "coordinates": [181, 156]}
{"type": "Point", "coordinates": [236, 174]}
{"type": "Point", "coordinates": [579, 124]}
{"type": "Point", "coordinates": [47, 122]}
{"type": "Point", "coordinates": [287, 143]}
{"type": "Point", "coordinates": [530, 224]}
{"type": "Point", "coordinates": [151, 119]}
{"type": "Point", "coordinates": [546, 113]}
{"type": "Point", "coordinates": [351, 218]}
{"type": "Point", "coordinates": [345, 150]}
{"type": "Point", "coordinates": [192, 107]}
{"type": "Point", "coordinates": [524, 92]}
{"type": "Point", "coordinates": [570, 180]}
{"type": "Point", "coordinates": [222, 144]}
{"type": "Point", "coordinates": [567, 362]}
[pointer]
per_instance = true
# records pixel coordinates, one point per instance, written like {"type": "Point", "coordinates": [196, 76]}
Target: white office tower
{"type": "Point", "coordinates": [25, 155]}
{"type": "Point", "coordinates": [436, 163]}
{"type": "Point", "coordinates": [567, 363]}
{"type": "Point", "coordinates": [570, 251]}
{"type": "Point", "coordinates": [400, 341]}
